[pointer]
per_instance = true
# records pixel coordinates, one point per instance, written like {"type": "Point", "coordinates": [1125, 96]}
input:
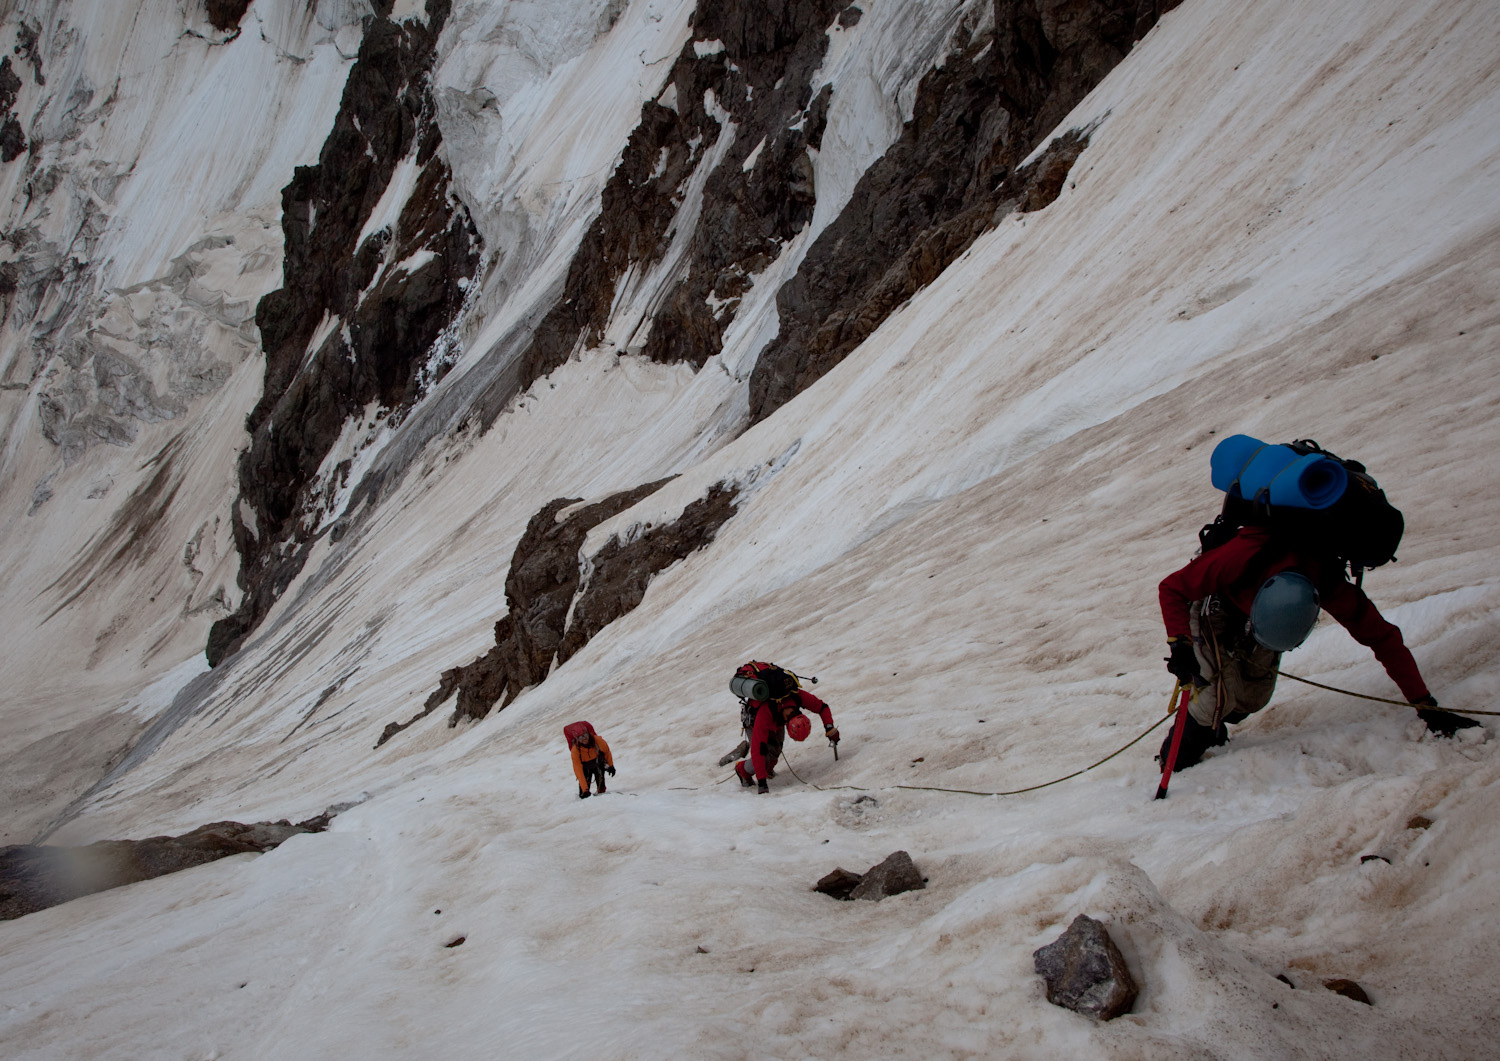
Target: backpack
{"type": "Point", "coordinates": [574, 730]}
{"type": "Point", "coordinates": [1361, 527]}
{"type": "Point", "coordinates": [763, 681]}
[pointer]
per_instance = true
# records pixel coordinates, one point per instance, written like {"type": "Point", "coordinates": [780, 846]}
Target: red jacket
{"type": "Point", "coordinates": [770, 721]}
{"type": "Point", "coordinates": [1237, 569]}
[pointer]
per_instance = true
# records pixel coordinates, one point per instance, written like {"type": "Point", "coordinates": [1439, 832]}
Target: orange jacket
{"type": "Point", "coordinates": [587, 754]}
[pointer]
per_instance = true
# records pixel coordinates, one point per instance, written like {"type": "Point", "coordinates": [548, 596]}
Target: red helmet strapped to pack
{"type": "Point", "coordinates": [798, 727]}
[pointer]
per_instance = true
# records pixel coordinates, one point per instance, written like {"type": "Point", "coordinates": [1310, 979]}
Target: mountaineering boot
{"type": "Point", "coordinates": [1196, 739]}
{"type": "Point", "coordinates": [744, 775]}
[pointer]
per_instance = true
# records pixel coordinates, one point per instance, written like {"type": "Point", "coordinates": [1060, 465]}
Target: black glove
{"type": "Point", "coordinates": [1183, 662]}
{"type": "Point", "coordinates": [610, 770]}
{"type": "Point", "coordinates": [761, 788]}
{"type": "Point", "coordinates": [831, 732]}
{"type": "Point", "coordinates": [583, 793]}
{"type": "Point", "coordinates": [1442, 723]}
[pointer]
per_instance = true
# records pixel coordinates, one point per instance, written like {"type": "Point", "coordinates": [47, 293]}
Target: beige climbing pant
{"type": "Point", "coordinates": [1240, 671]}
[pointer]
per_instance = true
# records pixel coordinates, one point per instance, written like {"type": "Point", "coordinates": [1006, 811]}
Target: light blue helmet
{"type": "Point", "coordinates": [1284, 612]}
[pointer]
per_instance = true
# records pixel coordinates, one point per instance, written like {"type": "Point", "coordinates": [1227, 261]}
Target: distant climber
{"type": "Point", "coordinates": [591, 757]}
{"type": "Point", "coordinates": [1293, 521]}
{"type": "Point", "coordinates": [772, 703]}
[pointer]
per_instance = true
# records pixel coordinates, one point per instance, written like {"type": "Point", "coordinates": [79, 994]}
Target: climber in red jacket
{"type": "Point", "coordinates": [766, 723]}
{"type": "Point", "coordinates": [1233, 610]}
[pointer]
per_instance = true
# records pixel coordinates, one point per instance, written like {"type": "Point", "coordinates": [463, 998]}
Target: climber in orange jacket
{"type": "Point", "coordinates": [591, 757]}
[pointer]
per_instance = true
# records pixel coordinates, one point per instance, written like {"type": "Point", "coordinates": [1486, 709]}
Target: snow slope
{"type": "Point", "coordinates": [1285, 224]}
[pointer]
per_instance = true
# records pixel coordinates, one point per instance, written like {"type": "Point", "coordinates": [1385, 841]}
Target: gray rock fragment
{"type": "Point", "coordinates": [1085, 971]}
{"type": "Point", "coordinates": [895, 875]}
{"type": "Point", "coordinates": [839, 884]}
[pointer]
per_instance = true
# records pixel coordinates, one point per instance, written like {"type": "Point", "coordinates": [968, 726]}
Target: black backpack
{"type": "Point", "coordinates": [1361, 528]}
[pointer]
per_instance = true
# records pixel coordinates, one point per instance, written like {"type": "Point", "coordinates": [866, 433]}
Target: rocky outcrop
{"type": "Point", "coordinates": [621, 570]}
{"type": "Point", "coordinates": [558, 601]}
{"type": "Point", "coordinates": [12, 136]}
{"type": "Point", "coordinates": [225, 15]}
{"type": "Point", "coordinates": [362, 305]}
{"type": "Point", "coordinates": [713, 182]}
{"type": "Point", "coordinates": [948, 178]}
{"type": "Point", "coordinates": [33, 878]}
{"type": "Point", "coordinates": [1085, 971]}
{"type": "Point", "coordinates": [751, 72]}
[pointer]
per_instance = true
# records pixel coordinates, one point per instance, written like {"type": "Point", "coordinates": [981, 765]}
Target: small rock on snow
{"type": "Point", "coordinates": [1085, 971]}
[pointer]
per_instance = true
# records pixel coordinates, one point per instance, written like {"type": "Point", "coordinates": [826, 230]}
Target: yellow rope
{"type": "Point", "coordinates": [1012, 792]}
{"type": "Point", "coordinates": [1383, 699]}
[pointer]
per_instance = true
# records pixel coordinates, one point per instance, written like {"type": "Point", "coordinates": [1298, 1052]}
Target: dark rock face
{"type": "Point", "coordinates": [12, 136]}
{"type": "Point", "coordinates": [623, 570]}
{"type": "Point", "coordinates": [947, 179]}
{"type": "Point", "coordinates": [771, 48]}
{"type": "Point", "coordinates": [895, 875]}
{"type": "Point", "coordinates": [935, 190]}
{"type": "Point", "coordinates": [225, 15]}
{"type": "Point", "coordinates": [28, 36]}
{"type": "Point", "coordinates": [544, 580]}
{"type": "Point", "coordinates": [33, 878]}
{"type": "Point", "coordinates": [1085, 971]}
{"type": "Point", "coordinates": [393, 314]}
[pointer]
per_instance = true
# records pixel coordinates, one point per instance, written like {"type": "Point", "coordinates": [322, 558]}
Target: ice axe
{"type": "Point", "coordinates": [1186, 691]}
{"type": "Point", "coordinates": [812, 680]}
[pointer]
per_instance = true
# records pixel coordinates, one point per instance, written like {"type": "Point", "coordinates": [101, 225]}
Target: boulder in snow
{"type": "Point", "coordinates": [1085, 971]}
{"type": "Point", "coordinates": [895, 875]}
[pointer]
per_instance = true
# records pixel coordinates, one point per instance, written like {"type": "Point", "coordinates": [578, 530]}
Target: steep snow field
{"type": "Point", "coordinates": [1287, 223]}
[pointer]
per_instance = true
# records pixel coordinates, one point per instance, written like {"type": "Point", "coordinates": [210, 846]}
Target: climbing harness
{"type": "Point", "coordinates": [1381, 699]}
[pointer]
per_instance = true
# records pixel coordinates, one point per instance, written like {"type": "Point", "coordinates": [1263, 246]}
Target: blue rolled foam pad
{"type": "Point", "coordinates": [1311, 481]}
{"type": "Point", "coordinates": [1230, 457]}
{"type": "Point", "coordinates": [1291, 480]}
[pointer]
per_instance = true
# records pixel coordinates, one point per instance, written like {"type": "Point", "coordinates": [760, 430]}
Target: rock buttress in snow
{"type": "Point", "coordinates": [225, 15]}
{"type": "Point", "coordinates": [947, 179]}
{"type": "Point", "coordinates": [758, 83]}
{"type": "Point", "coordinates": [12, 136]}
{"type": "Point", "coordinates": [33, 878]}
{"type": "Point", "coordinates": [550, 616]}
{"type": "Point", "coordinates": [393, 292]}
